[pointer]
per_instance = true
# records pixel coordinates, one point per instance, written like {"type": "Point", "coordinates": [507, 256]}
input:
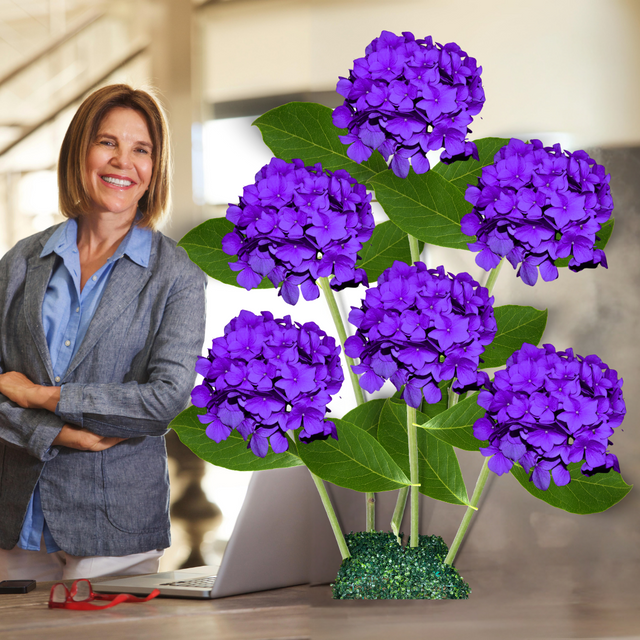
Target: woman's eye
{"type": "Point", "coordinates": [107, 142]}
{"type": "Point", "coordinates": [142, 150]}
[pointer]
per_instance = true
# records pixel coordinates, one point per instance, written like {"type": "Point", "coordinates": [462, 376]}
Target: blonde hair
{"type": "Point", "coordinates": [74, 198]}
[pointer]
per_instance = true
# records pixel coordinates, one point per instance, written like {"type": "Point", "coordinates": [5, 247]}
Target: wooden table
{"type": "Point", "coordinates": [282, 613]}
{"type": "Point", "coordinates": [504, 605]}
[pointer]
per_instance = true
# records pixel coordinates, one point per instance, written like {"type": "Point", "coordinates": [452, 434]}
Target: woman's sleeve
{"type": "Point", "coordinates": [133, 409]}
{"type": "Point", "coordinates": [30, 429]}
{"type": "Point", "coordinates": [33, 430]}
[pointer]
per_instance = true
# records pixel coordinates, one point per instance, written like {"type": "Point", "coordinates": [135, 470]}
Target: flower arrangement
{"type": "Point", "coordinates": [296, 224]}
{"type": "Point", "coordinates": [407, 97]}
{"type": "Point", "coordinates": [419, 327]}
{"type": "Point", "coordinates": [545, 416]}
{"type": "Point", "coordinates": [546, 410]}
{"type": "Point", "coordinates": [265, 377]}
{"type": "Point", "coordinates": [536, 205]}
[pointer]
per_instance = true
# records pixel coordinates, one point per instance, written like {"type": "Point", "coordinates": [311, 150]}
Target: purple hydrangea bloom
{"type": "Point", "coordinates": [265, 377]}
{"type": "Point", "coordinates": [296, 224]}
{"type": "Point", "coordinates": [537, 204]}
{"type": "Point", "coordinates": [548, 409]}
{"type": "Point", "coordinates": [421, 326]}
{"type": "Point", "coordinates": [407, 97]}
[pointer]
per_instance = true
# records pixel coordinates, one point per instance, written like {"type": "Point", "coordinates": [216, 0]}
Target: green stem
{"type": "Point", "coordinates": [412, 431]}
{"type": "Point", "coordinates": [452, 397]}
{"type": "Point", "coordinates": [493, 276]}
{"type": "Point", "coordinates": [412, 436]}
{"type": "Point", "coordinates": [473, 506]}
{"type": "Point", "coordinates": [328, 507]}
{"type": "Point", "coordinates": [398, 513]}
{"type": "Point", "coordinates": [414, 247]}
{"type": "Point", "coordinates": [342, 334]}
{"type": "Point", "coordinates": [370, 498]}
{"type": "Point", "coordinates": [331, 514]}
{"type": "Point", "coordinates": [484, 472]}
{"type": "Point", "coordinates": [371, 510]}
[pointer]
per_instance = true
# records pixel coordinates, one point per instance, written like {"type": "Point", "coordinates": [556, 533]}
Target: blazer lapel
{"type": "Point", "coordinates": [125, 283]}
{"type": "Point", "coordinates": [38, 276]}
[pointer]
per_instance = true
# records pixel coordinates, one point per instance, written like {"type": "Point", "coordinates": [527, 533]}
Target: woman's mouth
{"type": "Point", "coordinates": [117, 182]}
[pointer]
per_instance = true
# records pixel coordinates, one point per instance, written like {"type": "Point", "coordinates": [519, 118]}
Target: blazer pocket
{"type": "Point", "coordinates": [136, 485]}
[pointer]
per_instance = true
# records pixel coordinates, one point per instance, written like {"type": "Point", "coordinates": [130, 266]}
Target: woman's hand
{"type": "Point", "coordinates": [19, 389]}
{"type": "Point", "coordinates": [83, 440]}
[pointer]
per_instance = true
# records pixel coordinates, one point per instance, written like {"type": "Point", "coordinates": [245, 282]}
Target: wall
{"type": "Point", "coordinates": [548, 65]}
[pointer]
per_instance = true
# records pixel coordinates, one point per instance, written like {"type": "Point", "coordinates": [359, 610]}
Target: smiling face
{"type": "Point", "coordinates": [119, 163]}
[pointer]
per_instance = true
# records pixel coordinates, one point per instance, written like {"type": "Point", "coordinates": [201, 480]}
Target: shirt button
{"type": "Point", "coordinates": [57, 378]}
{"type": "Point", "coordinates": [77, 309]}
{"type": "Point", "coordinates": [94, 278]}
{"type": "Point", "coordinates": [67, 343]}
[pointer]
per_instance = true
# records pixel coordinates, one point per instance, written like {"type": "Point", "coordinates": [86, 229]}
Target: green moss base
{"type": "Point", "coordinates": [381, 569]}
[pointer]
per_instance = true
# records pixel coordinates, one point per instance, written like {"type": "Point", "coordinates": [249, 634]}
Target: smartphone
{"type": "Point", "coordinates": [17, 586]}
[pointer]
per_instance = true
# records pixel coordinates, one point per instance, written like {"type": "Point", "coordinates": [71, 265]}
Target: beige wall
{"type": "Point", "coordinates": [549, 65]}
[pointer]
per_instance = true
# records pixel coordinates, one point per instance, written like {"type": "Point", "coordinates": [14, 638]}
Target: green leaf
{"type": "Point", "coordinates": [425, 206]}
{"type": "Point", "coordinates": [231, 453]}
{"type": "Point", "coordinates": [438, 469]}
{"type": "Point", "coordinates": [387, 244]}
{"type": "Point", "coordinates": [430, 206]}
{"type": "Point", "coordinates": [203, 244]}
{"type": "Point", "coordinates": [355, 461]}
{"type": "Point", "coordinates": [601, 242]}
{"type": "Point", "coordinates": [305, 130]}
{"type": "Point", "coordinates": [455, 425]}
{"type": "Point", "coordinates": [516, 325]}
{"type": "Point", "coordinates": [366, 416]}
{"type": "Point", "coordinates": [462, 173]}
{"type": "Point", "coordinates": [584, 494]}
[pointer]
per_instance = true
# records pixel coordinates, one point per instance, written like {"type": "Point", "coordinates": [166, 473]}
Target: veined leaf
{"type": "Point", "coordinates": [426, 206]}
{"type": "Point", "coordinates": [355, 461]}
{"type": "Point", "coordinates": [455, 425]}
{"type": "Point", "coordinates": [430, 206]}
{"type": "Point", "coordinates": [387, 244]}
{"type": "Point", "coordinates": [516, 325]}
{"type": "Point", "coordinates": [305, 130]}
{"type": "Point", "coordinates": [463, 173]}
{"type": "Point", "coordinates": [203, 244]}
{"type": "Point", "coordinates": [366, 416]}
{"type": "Point", "coordinates": [584, 494]}
{"type": "Point", "coordinates": [231, 453]}
{"type": "Point", "coordinates": [438, 469]}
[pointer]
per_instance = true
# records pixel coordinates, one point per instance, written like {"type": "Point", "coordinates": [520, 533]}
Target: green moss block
{"type": "Point", "coordinates": [381, 569]}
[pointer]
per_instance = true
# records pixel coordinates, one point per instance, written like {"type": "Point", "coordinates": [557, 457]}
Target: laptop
{"type": "Point", "coordinates": [282, 538]}
{"type": "Point", "coordinates": [269, 547]}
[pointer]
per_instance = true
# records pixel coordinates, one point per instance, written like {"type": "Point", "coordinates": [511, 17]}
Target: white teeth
{"type": "Point", "coordinates": [118, 183]}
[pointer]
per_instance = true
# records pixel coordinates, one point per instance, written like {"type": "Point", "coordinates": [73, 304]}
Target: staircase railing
{"type": "Point", "coordinates": [34, 92]}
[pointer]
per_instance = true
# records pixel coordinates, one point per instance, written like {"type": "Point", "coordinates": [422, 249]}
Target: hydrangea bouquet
{"type": "Point", "coordinates": [544, 415]}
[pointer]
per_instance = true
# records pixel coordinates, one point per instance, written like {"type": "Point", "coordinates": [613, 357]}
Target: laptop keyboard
{"type": "Point", "coordinates": [205, 582]}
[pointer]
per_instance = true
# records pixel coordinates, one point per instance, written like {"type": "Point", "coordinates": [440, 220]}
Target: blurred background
{"type": "Point", "coordinates": [560, 70]}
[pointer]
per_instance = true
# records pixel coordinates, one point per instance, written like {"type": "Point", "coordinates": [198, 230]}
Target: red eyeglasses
{"type": "Point", "coordinates": [80, 596]}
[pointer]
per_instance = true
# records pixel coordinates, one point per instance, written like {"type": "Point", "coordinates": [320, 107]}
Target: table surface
{"type": "Point", "coordinates": [558, 607]}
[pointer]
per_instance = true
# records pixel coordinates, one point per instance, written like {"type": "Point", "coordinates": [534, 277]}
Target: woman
{"type": "Point", "coordinates": [101, 321]}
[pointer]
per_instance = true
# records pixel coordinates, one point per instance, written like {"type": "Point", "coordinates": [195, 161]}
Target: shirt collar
{"type": "Point", "coordinates": [136, 244]}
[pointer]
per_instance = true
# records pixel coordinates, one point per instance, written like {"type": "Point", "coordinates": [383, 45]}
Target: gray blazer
{"type": "Point", "coordinates": [130, 377]}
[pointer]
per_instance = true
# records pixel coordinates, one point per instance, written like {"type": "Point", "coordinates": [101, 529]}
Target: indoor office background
{"type": "Point", "coordinates": [560, 70]}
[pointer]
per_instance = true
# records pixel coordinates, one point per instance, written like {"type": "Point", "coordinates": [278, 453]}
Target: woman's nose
{"type": "Point", "coordinates": [123, 158]}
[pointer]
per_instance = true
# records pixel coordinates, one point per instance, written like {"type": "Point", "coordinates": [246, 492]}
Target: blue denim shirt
{"type": "Point", "coordinates": [66, 314]}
